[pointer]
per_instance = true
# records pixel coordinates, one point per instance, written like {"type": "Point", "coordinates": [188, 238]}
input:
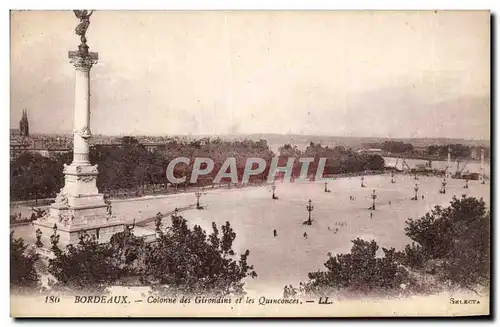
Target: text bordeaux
{"type": "Point", "coordinates": [102, 299]}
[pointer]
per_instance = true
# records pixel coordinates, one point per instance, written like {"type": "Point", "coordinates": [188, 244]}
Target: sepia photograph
{"type": "Point", "coordinates": [250, 164]}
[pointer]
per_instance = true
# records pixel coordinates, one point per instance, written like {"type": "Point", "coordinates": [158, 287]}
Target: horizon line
{"type": "Point", "coordinates": [265, 133]}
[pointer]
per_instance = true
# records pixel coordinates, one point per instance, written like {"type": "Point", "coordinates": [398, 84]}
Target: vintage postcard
{"type": "Point", "coordinates": [250, 163]}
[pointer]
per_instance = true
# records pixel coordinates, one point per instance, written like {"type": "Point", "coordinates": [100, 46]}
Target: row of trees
{"type": "Point", "coordinates": [456, 151]}
{"type": "Point", "coordinates": [131, 166]}
{"type": "Point", "coordinates": [451, 246]}
{"type": "Point", "coordinates": [33, 176]}
{"type": "Point", "coordinates": [340, 160]}
{"type": "Point", "coordinates": [397, 147]}
{"type": "Point", "coordinates": [441, 151]}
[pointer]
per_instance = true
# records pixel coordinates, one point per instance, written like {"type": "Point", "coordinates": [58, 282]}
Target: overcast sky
{"type": "Point", "coordinates": [386, 74]}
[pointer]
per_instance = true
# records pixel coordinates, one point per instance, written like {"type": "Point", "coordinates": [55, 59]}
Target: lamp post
{"type": "Point", "coordinates": [54, 238]}
{"type": "Point", "coordinates": [198, 195]}
{"type": "Point", "coordinates": [374, 196]}
{"type": "Point", "coordinates": [273, 187]}
{"type": "Point", "coordinates": [309, 208]}
{"type": "Point", "coordinates": [158, 224]}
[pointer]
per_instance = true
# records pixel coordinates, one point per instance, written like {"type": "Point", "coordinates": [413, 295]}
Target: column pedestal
{"type": "Point", "coordinates": [79, 207]}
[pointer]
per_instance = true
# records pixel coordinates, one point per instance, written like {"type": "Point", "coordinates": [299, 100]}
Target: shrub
{"type": "Point", "coordinates": [458, 237]}
{"type": "Point", "coordinates": [359, 271]}
{"type": "Point", "coordinates": [22, 265]}
{"type": "Point", "coordinates": [86, 266]}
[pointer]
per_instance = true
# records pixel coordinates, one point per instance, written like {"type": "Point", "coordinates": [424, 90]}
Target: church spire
{"type": "Point", "coordinates": [23, 124]}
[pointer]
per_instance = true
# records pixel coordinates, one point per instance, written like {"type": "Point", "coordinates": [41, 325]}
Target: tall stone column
{"type": "Point", "coordinates": [81, 132]}
{"type": "Point", "coordinates": [79, 207]}
{"type": "Point", "coordinates": [81, 176]}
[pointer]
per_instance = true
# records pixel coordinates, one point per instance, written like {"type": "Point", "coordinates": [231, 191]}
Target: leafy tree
{"type": "Point", "coordinates": [34, 176]}
{"type": "Point", "coordinates": [288, 150]}
{"type": "Point", "coordinates": [374, 162]}
{"type": "Point", "coordinates": [187, 261]}
{"type": "Point", "coordinates": [129, 253]}
{"type": "Point", "coordinates": [458, 236]}
{"type": "Point", "coordinates": [23, 274]}
{"type": "Point", "coordinates": [86, 266]}
{"type": "Point", "coordinates": [413, 256]}
{"type": "Point", "coordinates": [359, 271]}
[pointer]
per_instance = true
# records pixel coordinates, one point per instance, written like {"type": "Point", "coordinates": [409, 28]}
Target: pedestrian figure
{"type": "Point", "coordinates": [301, 288]}
{"type": "Point", "coordinates": [389, 202]}
{"type": "Point", "coordinates": [305, 235]}
{"type": "Point", "coordinates": [422, 196]}
{"type": "Point", "coordinates": [275, 233]}
{"type": "Point", "coordinates": [285, 292]}
{"type": "Point", "coordinates": [371, 214]}
{"type": "Point", "coordinates": [329, 228]}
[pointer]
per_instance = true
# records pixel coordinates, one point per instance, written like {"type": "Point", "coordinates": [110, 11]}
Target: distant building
{"type": "Point", "coordinates": [24, 125]}
{"type": "Point", "coordinates": [14, 132]}
{"type": "Point", "coordinates": [421, 150]}
{"type": "Point", "coordinates": [372, 151]}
